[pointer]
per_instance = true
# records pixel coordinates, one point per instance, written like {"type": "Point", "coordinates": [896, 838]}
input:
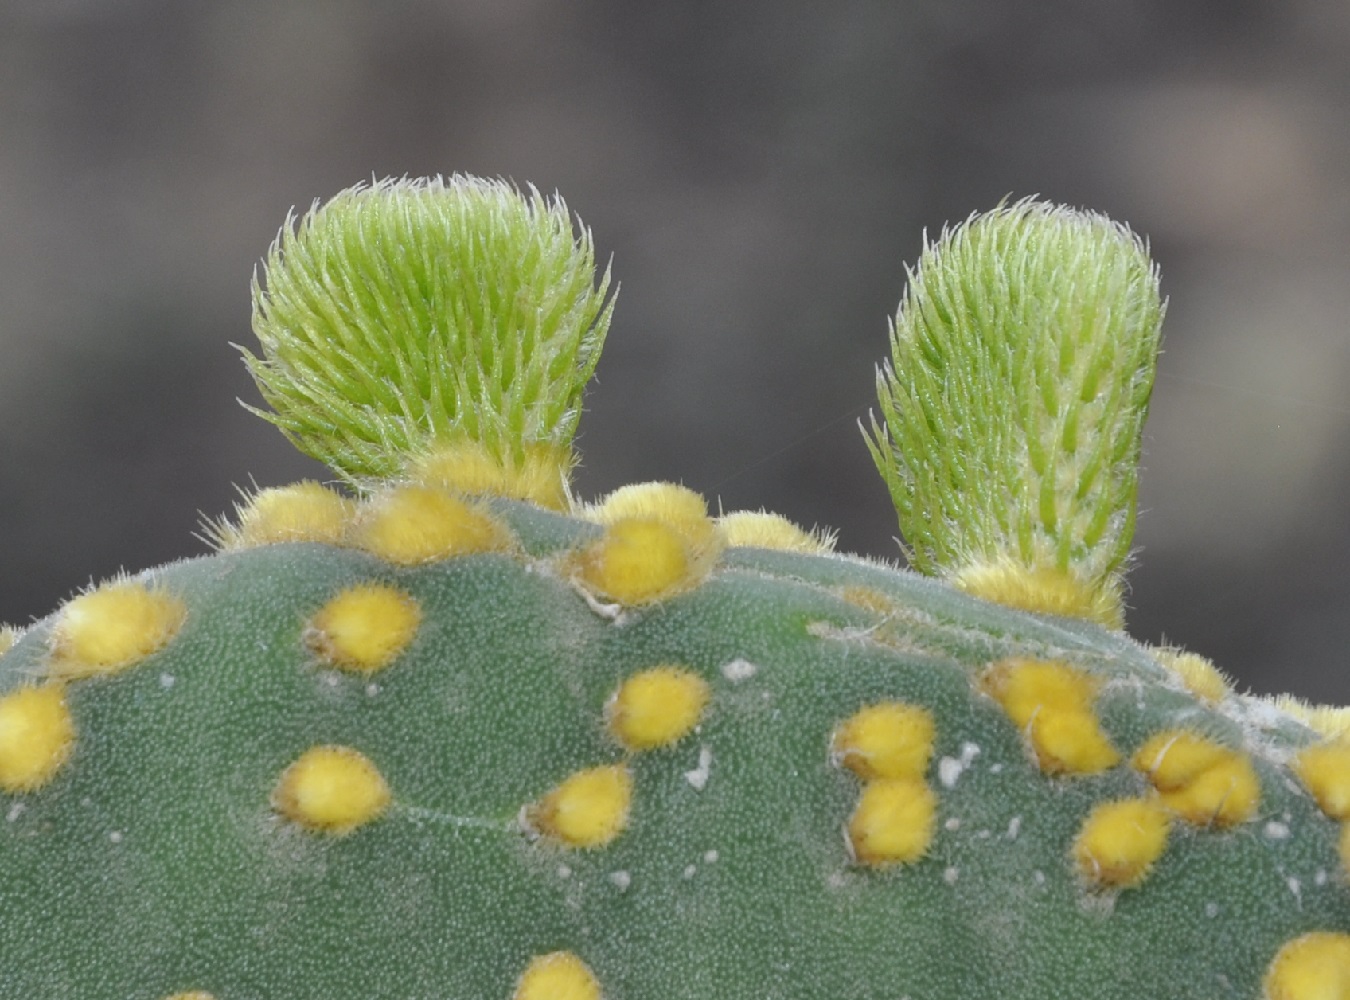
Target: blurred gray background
{"type": "Point", "coordinates": [759, 172]}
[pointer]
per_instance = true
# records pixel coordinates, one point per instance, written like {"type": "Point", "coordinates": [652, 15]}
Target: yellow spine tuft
{"type": "Point", "coordinates": [36, 736]}
{"type": "Point", "coordinates": [1314, 966]}
{"type": "Point", "coordinates": [761, 529]}
{"type": "Point", "coordinates": [560, 975]}
{"type": "Point", "coordinates": [468, 467]}
{"type": "Point", "coordinates": [640, 560]}
{"type": "Point", "coordinates": [656, 707]}
{"type": "Point", "coordinates": [1052, 703]}
{"type": "Point", "coordinates": [1325, 770]}
{"type": "Point", "coordinates": [332, 789]}
{"type": "Point", "coordinates": [113, 627]}
{"type": "Point", "coordinates": [364, 628]}
{"type": "Point", "coordinates": [409, 525]}
{"type": "Point", "coordinates": [890, 739]}
{"type": "Point", "coordinates": [893, 822]}
{"type": "Point", "coordinates": [301, 512]}
{"type": "Point", "coordinates": [589, 809]}
{"type": "Point", "coordinates": [1174, 758]}
{"type": "Point", "coordinates": [1045, 590]}
{"type": "Point", "coordinates": [1201, 677]}
{"type": "Point", "coordinates": [1120, 841]}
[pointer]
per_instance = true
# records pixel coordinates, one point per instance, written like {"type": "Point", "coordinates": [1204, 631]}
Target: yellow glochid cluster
{"type": "Point", "coordinates": [761, 529]}
{"type": "Point", "coordinates": [656, 707]}
{"type": "Point", "coordinates": [587, 809]}
{"type": "Point", "coordinates": [1051, 702]}
{"type": "Point", "coordinates": [559, 975]}
{"type": "Point", "coordinates": [364, 628]}
{"type": "Point", "coordinates": [1120, 841]}
{"type": "Point", "coordinates": [1313, 966]}
{"type": "Point", "coordinates": [306, 511]}
{"type": "Point", "coordinates": [888, 745]}
{"type": "Point", "coordinates": [467, 467]}
{"type": "Point", "coordinates": [1199, 779]}
{"type": "Point", "coordinates": [113, 627]}
{"type": "Point", "coordinates": [331, 789]}
{"type": "Point", "coordinates": [410, 525]}
{"type": "Point", "coordinates": [658, 541]}
{"type": "Point", "coordinates": [37, 735]}
{"type": "Point", "coordinates": [1201, 677]}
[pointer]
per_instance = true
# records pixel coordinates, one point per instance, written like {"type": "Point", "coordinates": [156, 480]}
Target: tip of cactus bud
{"type": "Point", "coordinates": [331, 789]}
{"type": "Point", "coordinates": [890, 739]}
{"type": "Point", "coordinates": [1313, 966]}
{"type": "Point", "coordinates": [1120, 841]}
{"type": "Point", "coordinates": [1324, 769]}
{"type": "Point", "coordinates": [560, 975]}
{"type": "Point", "coordinates": [306, 511]}
{"type": "Point", "coordinates": [762, 529]}
{"type": "Point", "coordinates": [484, 324]}
{"type": "Point", "coordinates": [364, 628]}
{"type": "Point", "coordinates": [588, 809]}
{"type": "Point", "coordinates": [36, 736]}
{"type": "Point", "coordinates": [893, 822]}
{"type": "Point", "coordinates": [656, 707]}
{"type": "Point", "coordinates": [113, 627]}
{"type": "Point", "coordinates": [414, 524]}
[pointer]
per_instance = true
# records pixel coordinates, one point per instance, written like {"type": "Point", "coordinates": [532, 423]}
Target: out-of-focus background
{"type": "Point", "coordinates": [760, 172]}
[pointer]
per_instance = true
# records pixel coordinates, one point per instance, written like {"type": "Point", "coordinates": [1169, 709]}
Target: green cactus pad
{"type": "Point", "coordinates": [154, 861]}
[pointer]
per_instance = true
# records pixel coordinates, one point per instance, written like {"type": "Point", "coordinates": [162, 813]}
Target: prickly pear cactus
{"type": "Point", "coordinates": [449, 733]}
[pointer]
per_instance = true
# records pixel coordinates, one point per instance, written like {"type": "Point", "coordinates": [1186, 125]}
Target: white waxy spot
{"type": "Point", "coordinates": [15, 811]}
{"type": "Point", "coordinates": [689, 871]}
{"type": "Point", "coordinates": [166, 681]}
{"type": "Point", "coordinates": [115, 836]}
{"type": "Point", "coordinates": [950, 768]}
{"type": "Point", "coordinates": [1295, 886]}
{"type": "Point", "coordinates": [698, 777]}
{"type": "Point", "coordinates": [564, 871]}
{"type": "Point", "coordinates": [1276, 831]}
{"type": "Point", "coordinates": [1211, 910]}
{"type": "Point", "coordinates": [1320, 878]}
{"type": "Point", "coordinates": [983, 835]}
{"type": "Point", "coordinates": [709, 856]}
{"type": "Point", "coordinates": [1038, 877]}
{"type": "Point", "coordinates": [996, 767]}
{"type": "Point", "coordinates": [950, 875]}
{"type": "Point", "coordinates": [952, 824]}
{"type": "Point", "coordinates": [372, 690]}
{"type": "Point", "coordinates": [621, 880]}
{"type": "Point", "coordinates": [1014, 827]}
{"type": "Point", "coordinates": [739, 670]}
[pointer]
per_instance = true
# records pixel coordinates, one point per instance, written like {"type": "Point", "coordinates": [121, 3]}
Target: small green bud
{"type": "Point", "coordinates": [414, 315]}
{"type": "Point", "coordinates": [1022, 360]}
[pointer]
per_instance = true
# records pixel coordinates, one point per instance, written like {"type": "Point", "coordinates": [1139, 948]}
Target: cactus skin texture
{"type": "Point", "coordinates": [530, 755]}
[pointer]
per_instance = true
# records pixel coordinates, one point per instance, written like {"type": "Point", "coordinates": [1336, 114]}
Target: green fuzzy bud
{"type": "Point", "coordinates": [1022, 360]}
{"type": "Point", "coordinates": [413, 314]}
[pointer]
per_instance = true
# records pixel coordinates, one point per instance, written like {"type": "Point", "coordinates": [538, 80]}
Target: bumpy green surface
{"type": "Point", "coordinates": [153, 862]}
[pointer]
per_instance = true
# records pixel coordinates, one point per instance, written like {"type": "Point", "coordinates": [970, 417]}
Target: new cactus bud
{"type": "Point", "coordinates": [1022, 361]}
